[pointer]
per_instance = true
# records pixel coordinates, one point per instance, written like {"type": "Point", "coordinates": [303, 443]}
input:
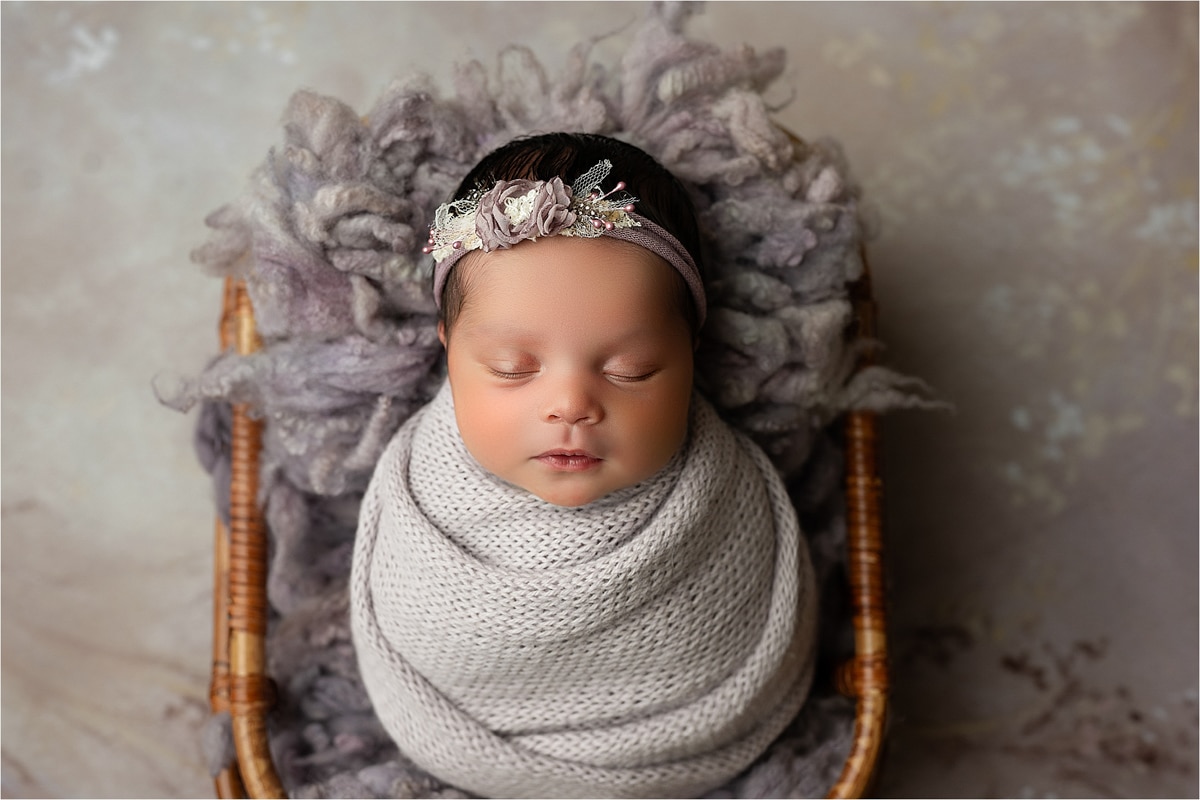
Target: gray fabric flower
{"type": "Point", "coordinates": [522, 209]}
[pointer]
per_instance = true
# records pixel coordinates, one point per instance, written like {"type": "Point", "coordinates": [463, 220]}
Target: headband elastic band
{"type": "Point", "coordinates": [522, 210]}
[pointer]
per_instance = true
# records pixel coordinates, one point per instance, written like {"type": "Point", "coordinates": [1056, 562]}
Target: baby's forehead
{"type": "Point", "coordinates": [590, 266]}
{"type": "Point", "coordinates": [599, 287]}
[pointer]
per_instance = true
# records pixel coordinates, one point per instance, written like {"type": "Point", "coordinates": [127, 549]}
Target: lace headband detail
{"type": "Point", "coordinates": [517, 210]}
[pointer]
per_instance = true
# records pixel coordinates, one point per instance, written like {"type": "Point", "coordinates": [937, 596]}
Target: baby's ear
{"type": "Point", "coordinates": [442, 332]}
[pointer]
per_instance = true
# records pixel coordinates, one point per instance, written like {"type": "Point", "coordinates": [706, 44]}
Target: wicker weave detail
{"type": "Point", "coordinates": [243, 686]}
{"type": "Point", "coordinates": [865, 676]}
{"type": "Point", "coordinates": [249, 694]}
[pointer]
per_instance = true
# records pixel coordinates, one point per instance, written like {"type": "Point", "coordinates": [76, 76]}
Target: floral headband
{"type": "Point", "coordinates": [518, 210]}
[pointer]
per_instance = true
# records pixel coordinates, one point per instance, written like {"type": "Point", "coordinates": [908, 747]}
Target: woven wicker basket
{"type": "Point", "coordinates": [240, 609]}
{"type": "Point", "coordinates": [241, 687]}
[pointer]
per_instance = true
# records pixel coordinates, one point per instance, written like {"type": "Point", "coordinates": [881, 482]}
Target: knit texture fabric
{"type": "Point", "coordinates": [652, 643]}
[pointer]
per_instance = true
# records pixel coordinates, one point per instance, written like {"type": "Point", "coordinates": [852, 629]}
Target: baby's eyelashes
{"type": "Point", "coordinates": [523, 369]}
{"type": "Point", "coordinates": [632, 376]}
{"type": "Point", "coordinates": [512, 374]}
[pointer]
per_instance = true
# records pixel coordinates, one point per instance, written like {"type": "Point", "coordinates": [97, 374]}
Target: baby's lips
{"type": "Point", "coordinates": [568, 453]}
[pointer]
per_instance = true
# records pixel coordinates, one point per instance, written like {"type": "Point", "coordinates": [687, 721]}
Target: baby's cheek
{"type": "Point", "coordinates": [660, 430]}
{"type": "Point", "coordinates": [486, 427]}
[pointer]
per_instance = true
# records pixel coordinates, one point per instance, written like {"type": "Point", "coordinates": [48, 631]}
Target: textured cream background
{"type": "Point", "coordinates": [1032, 170]}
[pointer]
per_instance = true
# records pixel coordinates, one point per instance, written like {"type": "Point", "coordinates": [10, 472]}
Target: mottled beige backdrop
{"type": "Point", "coordinates": [1031, 171]}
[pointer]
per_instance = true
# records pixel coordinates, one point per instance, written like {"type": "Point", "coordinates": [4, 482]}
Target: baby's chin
{"type": "Point", "coordinates": [574, 487]}
{"type": "Point", "coordinates": [570, 491]}
{"type": "Point", "coordinates": [575, 491]}
{"type": "Point", "coordinates": [571, 496]}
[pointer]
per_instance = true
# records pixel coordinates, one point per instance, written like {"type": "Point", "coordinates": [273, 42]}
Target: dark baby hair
{"type": "Point", "coordinates": [662, 199]}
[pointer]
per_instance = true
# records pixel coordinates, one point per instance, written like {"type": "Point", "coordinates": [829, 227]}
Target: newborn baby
{"type": "Point", "coordinates": [570, 577]}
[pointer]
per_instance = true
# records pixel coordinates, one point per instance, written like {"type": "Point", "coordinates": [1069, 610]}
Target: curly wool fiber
{"type": "Point", "coordinates": [328, 237]}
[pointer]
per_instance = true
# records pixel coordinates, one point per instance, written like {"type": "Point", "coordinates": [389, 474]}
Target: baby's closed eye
{"type": "Point", "coordinates": [631, 374]}
{"type": "Point", "coordinates": [512, 376]}
{"type": "Point", "coordinates": [510, 365]}
{"type": "Point", "coordinates": [631, 367]}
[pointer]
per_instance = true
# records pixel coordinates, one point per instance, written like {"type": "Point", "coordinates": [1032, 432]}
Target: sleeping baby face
{"type": "Point", "coordinates": [571, 365]}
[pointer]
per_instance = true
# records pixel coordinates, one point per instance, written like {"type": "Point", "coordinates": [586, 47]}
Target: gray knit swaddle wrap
{"type": "Point", "coordinates": [652, 643]}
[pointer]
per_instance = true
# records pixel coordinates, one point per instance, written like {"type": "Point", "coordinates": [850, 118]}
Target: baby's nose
{"type": "Point", "coordinates": [570, 402]}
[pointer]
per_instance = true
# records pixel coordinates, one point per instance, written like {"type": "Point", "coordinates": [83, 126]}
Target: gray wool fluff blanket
{"type": "Point", "coordinates": [328, 237]}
